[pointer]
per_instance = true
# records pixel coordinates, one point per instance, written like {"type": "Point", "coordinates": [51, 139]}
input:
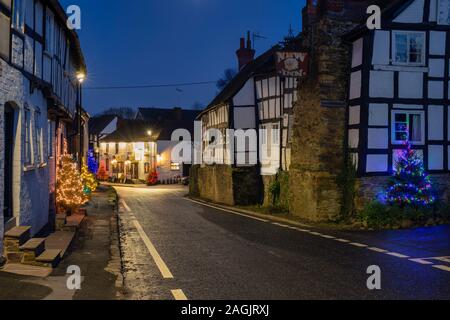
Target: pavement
{"type": "Point", "coordinates": [174, 248]}
{"type": "Point", "coordinates": [95, 251]}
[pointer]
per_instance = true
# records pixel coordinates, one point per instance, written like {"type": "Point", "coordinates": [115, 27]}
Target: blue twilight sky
{"type": "Point", "coordinates": [146, 42]}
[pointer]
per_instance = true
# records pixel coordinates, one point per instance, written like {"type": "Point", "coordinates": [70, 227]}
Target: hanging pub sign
{"type": "Point", "coordinates": [292, 64]}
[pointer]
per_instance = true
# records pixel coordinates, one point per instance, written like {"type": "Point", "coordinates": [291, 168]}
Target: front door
{"type": "Point", "coordinates": [8, 143]}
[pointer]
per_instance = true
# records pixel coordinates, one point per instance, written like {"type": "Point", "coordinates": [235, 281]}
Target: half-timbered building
{"type": "Point", "coordinates": [39, 60]}
{"type": "Point", "coordinates": [256, 104]}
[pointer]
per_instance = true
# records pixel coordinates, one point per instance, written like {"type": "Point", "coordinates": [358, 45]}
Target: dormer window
{"type": "Point", "coordinates": [408, 48]}
{"type": "Point", "coordinates": [444, 12]}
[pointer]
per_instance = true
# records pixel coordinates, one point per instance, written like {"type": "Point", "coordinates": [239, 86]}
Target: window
{"type": "Point", "coordinates": [49, 32]}
{"type": "Point", "coordinates": [408, 126]}
{"type": "Point", "coordinates": [50, 137]}
{"type": "Point", "coordinates": [174, 166]}
{"type": "Point", "coordinates": [27, 155]}
{"type": "Point", "coordinates": [38, 137]}
{"type": "Point", "coordinates": [444, 12]}
{"type": "Point", "coordinates": [19, 16]}
{"type": "Point", "coordinates": [408, 48]}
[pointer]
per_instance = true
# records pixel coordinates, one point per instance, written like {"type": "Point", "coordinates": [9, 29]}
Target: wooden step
{"type": "Point", "coordinates": [20, 234]}
{"type": "Point", "coordinates": [49, 258]}
{"type": "Point", "coordinates": [32, 249]}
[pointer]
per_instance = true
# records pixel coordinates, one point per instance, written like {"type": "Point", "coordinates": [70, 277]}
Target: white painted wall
{"type": "Point", "coordinates": [412, 14]}
{"type": "Point", "coordinates": [354, 115]}
{"type": "Point", "coordinates": [433, 10]}
{"type": "Point", "coordinates": [437, 68]}
{"type": "Point", "coordinates": [435, 123]}
{"type": "Point", "coordinates": [437, 42]}
{"type": "Point", "coordinates": [410, 85]}
{"type": "Point", "coordinates": [244, 118]}
{"type": "Point", "coordinates": [353, 138]}
{"type": "Point", "coordinates": [381, 84]}
{"type": "Point", "coordinates": [435, 89]}
{"type": "Point", "coordinates": [378, 114]}
{"type": "Point", "coordinates": [381, 47]}
{"type": "Point", "coordinates": [378, 138]}
{"type": "Point", "coordinates": [246, 96]}
{"type": "Point", "coordinates": [357, 52]}
{"type": "Point", "coordinates": [435, 157]}
{"type": "Point", "coordinates": [355, 85]}
{"type": "Point", "coordinates": [377, 163]}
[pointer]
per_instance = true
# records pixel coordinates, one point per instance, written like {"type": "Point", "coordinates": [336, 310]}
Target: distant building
{"type": "Point", "coordinates": [39, 60]}
{"type": "Point", "coordinates": [100, 127]}
{"type": "Point", "coordinates": [139, 146]}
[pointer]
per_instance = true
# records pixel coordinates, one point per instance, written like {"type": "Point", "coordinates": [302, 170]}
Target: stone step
{"type": "Point", "coordinates": [34, 246]}
{"type": "Point", "coordinates": [18, 234]}
{"type": "Point", "coordinates": [49, 258]}
{"type": "Point", "coordinates": [73, 223]}
{"type": "Point", "coordinates": [60, 240]}
{"type": "Point", "coordinates": [61, 220]}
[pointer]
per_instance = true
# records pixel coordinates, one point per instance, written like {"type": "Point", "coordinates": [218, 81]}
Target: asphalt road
{"type": "Point", "coordinates": [174, 248]}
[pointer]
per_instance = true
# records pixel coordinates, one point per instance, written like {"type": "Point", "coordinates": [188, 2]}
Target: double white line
{"type": "Point", "coordinates": [178, 294]}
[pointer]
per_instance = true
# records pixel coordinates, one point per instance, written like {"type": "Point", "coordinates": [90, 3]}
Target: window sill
{"type": "Point", "coordinates": [29, 167]}
{"type": "Point", "coordinates": [407, 68]}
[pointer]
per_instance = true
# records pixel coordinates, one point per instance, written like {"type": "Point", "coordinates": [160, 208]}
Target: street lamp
{"type": "Point", "coordinates": [149, 133]}
{"type": "Point", "coordinates": [81, 76]}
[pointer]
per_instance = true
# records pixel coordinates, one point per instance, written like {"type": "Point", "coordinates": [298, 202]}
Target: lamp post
{"type": "Point", "coordinates": [80, 79]}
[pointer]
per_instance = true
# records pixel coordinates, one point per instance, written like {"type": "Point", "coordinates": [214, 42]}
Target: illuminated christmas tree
{"type": "Point", "coordinates": [69, 186]}
{"type": "Point", "coordinates": [89, 182]}
{"type": "Point", "coordinates": [152, 178]}
{"type": "Point", "coordinates": [410, 185]}
{"type": "Point", "coordinates": [92, 163]}
{"type": "Point", "coordinates": [101, 174]}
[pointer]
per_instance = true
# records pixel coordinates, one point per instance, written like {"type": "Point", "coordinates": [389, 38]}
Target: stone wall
{"type": "Point", "coordinates": [368, 188]}
{"type": "Point", "coordinates": [226, 185]}
{"type": "Point", "coordinates": [320, 121]}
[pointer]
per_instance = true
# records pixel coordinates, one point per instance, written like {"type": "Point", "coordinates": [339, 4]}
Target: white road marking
{"type": "Point", "coordinates": [444, 268]}
{"type": "Point", "coordinates": [359, 245]}
{"type": "Point", "coordinates": [342, 240]}
{"type": "Point", "coordinates": [125, 205]}
{"type": "Point", "coordinates": [443, 259]}
{"type": "Point", "coordinates": [421, 261]}
{"type": "Point", "coordinates": [398, 255]}
{"type": "Point", "coordinates": [377, 250]}
{"type": "Point", "coordinates": [281, 225]}
{"type": "Point", "coordinates": [225, 210]}
{"type": "Point", "coordinates": [179, 295]}
{"type": "Point", "coordinates": [327, 237]}
{"type": "Point", "coordinates": [153, 252]}
{"type": "Point", "coordinates": [301, 230]}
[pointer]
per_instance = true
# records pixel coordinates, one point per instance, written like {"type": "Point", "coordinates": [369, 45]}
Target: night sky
{"type": "Point", "coordinates": [152, 42]}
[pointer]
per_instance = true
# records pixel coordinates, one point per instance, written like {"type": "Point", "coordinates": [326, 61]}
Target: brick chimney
{"type": "Point", "coordinates": [245, 53]}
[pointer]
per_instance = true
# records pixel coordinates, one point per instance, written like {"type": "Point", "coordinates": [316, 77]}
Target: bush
{"type": "Point", "coordinates": [377, 215]}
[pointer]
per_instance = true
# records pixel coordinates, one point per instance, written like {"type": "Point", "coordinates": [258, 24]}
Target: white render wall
{"type": "Point", "coordinates": [31, 187]}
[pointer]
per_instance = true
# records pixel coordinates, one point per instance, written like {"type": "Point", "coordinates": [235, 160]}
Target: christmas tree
{"type": "Point", "coordinates": [92, 163]}
{"type": "Point", "coordinates": [89, 182]}
{"type": "Point", "coordinates": [410, 185]}
{"type": "Point", "coordinates": [152, 178]}
{"type": "Point", "coordinates": [101, 174]}
{"type": "Point", "coordinates": [69, 187]}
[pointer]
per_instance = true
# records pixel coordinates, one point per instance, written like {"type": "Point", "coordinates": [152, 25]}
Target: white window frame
{"type": "Point", "coordinates": [28, 151]}
{"type": "Point", "coordinates": [394, 48]}
{"type": "Point", "coordinates": [49, 32]}
{"type": "Point", "coordinates": [18, 16]}
{"type": "Point", "coordinates": [408, 113]}
{"type": "Point", "coordinates": [438, 16]}
{"type": "Point", "coordinates": [38, 137]}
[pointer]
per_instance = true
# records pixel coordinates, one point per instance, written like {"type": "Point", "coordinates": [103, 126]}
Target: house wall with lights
{"type": "Point", "coordinates": [39, 57]}
{"type": "Point", "coordinates": [368, 92]}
